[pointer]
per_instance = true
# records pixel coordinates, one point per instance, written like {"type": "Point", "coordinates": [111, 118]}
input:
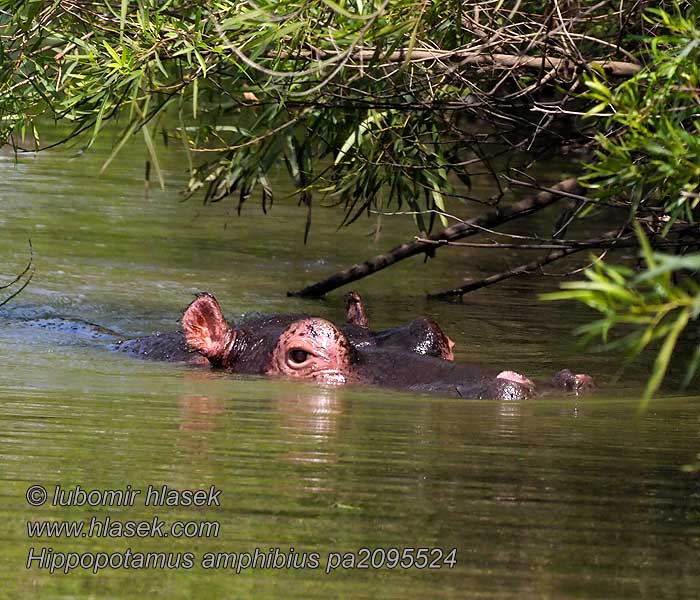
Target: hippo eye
{"type": "Point", "coordinates": [298, 356]}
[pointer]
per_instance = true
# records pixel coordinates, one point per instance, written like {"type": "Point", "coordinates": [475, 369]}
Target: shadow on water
{"type": "Point", "coordinates": [559, 497]}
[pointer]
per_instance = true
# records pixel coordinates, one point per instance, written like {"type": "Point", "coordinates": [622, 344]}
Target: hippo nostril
{"type": "Point", "coordinates": [298, 356]}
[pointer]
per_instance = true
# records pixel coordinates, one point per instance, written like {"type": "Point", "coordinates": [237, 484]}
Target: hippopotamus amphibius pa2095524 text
{"type": "Point", "coordinates": [314, 349]}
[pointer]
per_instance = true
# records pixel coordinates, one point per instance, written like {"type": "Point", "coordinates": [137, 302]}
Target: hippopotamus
{"type": "Point", "coordinates": [314, 349]}
{"type": "Point", "coordinates": [421, 336]}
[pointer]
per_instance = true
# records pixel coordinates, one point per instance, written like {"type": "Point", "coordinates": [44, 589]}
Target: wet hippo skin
{"type": "Point", "coordinates": [421, 336]}
{"type": "Point", "coordinates": [314, 349]}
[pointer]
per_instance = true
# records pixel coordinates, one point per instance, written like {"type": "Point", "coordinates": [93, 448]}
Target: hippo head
{"type": "Point", "coordinates": [309, 348]}
{"type": "Point", "coordinates": [314, 349]}
{"type": "Point", "coordinates": [433, 340]}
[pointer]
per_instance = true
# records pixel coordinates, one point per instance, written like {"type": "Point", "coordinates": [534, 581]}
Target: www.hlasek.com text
{"type": "Point", "coordinates": [239, 562]}
{"type": "Point", "coordinates": [108, 527]}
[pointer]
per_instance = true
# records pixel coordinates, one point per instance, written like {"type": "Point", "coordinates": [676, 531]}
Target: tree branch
{"type": "Point", "coordinates": [30, 263]}
{"type": "Point", "coordinates": [479, 59]}
{"type": "Point", "coordinates": [519, 270]}
{"type": "Point", "coordinates": [609, 240]}
{"type": "Point", "coordinates": [28, 269]}
{"type": "Point", "coordinates": [468, 228]}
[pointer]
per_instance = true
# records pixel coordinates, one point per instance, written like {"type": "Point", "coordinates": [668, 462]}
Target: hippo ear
{"type": "Point", "coordinates": [206, 330]}
{"type": "Point", "coordinates": [355, 310]}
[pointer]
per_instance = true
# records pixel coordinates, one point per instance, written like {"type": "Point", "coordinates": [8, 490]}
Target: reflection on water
{"type": "Point", "coordinates": [309, 426]}
{"type": "Point", "coordinates": [315, 413]}
{"type": "Point", "coordinates": [559, 497]}
{"type": "Point", "coordinates": [510, 413]}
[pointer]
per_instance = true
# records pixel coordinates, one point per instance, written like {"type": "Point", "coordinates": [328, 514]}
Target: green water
{"type": "Point", "coordinates": [553, 498]}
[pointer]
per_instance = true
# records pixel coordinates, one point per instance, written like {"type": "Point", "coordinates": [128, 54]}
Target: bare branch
{"type": "Point", "coordinates": [455, 232]}
{"type": "Point", "coordinates": [28, 269]}
{"type": "Point", "coordinates": [467, 58]}
{"type": "Point", "coordinates": [24, 272]}
{"type": "Point", "coordinates": [491, 279]}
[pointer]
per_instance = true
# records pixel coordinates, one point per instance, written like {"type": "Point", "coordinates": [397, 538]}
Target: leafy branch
{"type": "Point", "coordinates": [655, 304]}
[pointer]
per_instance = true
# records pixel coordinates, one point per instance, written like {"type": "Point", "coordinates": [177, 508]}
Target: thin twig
{"type": "Point", "coordinates": [491, 279]}
{"type": "Point", "coordinates": [28, 269]}
{"type": "Point", "coordinates": [23, 273]}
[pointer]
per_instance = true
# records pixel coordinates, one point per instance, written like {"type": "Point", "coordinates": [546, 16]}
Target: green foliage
{"type": "Point", "coordinates": [275, 64]}
{"type": "Point", "coordinates": [654, 305]}
{"type": "Point", "coordinates": [648, 154]}
{"type": "Point", "coordinates": [337, 90]}
{"type": "Point", "coordinates": [648, 160]}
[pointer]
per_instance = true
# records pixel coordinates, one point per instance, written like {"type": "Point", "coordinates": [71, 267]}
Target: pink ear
{"type": "Point", "coordinates": [206, 330]}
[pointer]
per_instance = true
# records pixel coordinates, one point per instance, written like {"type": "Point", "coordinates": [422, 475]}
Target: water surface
{"type": "Point", "coordinates": [559, 497]}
